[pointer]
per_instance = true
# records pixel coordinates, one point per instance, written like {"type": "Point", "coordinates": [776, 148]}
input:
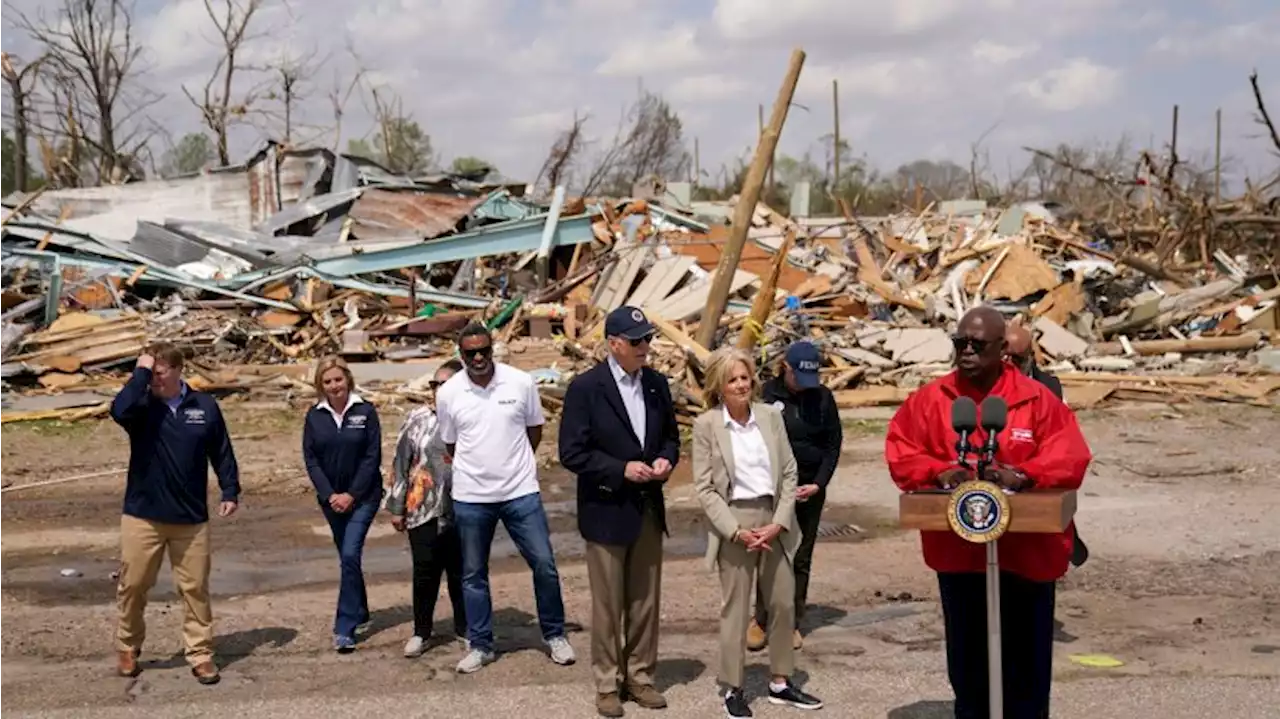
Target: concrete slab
{"type": "Point", "coordinates": [919, 345]}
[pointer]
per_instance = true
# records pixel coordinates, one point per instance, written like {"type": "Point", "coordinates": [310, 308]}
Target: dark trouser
{"type": "Point", "coordinates": [808, 515]}
{"type": "Point", "coordinates": [436, 553]}
{"type": "Point", "coordinates": [349, 531]}
{"type": "Point", "coordinates": [526, 522]}
{"type": "Point", "coordinates": [1026, 627]}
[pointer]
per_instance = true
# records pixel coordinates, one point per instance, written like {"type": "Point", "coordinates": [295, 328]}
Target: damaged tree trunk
{"type": "Point", "coordinates": [718, 297]}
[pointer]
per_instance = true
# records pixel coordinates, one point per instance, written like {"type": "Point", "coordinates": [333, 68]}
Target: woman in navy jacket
{"type": "Point", "coordinates": [342, 446]}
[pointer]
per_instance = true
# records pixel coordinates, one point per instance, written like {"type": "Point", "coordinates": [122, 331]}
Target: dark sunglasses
{"type": "Point", "coordinates": [478, 352]}
{"type": "Point", "coordinates": [434, 385]}
{"type": "Point", "coordinates": [962, 343]}
{"type": "Point", "coordinates": [640, 340]}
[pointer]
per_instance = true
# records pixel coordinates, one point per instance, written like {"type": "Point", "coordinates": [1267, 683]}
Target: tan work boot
{"type": "Point", "coordinates": [127, 663]}
{"type": "Point", "coordinates": [206, 672]}
{"type": "Point", "coordinates": [756, 638]}
{"type": "Point", "coordinates": [797, 641]}
{"type": "Point", "coordinates": [647, 696]}
{"type": "Point", "coordinates": [609, 705]}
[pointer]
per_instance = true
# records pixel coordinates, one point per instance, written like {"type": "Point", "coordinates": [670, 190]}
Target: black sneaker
{"type": "Point", "coordinates": [735, 705]}
{"type": "Point", "coordinates": [793, 697]}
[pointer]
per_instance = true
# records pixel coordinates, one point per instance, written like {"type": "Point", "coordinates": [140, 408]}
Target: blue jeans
{"type": "Point", "coordinates": [526, 522]}
{"type": "Point", "coordinates": [349, 530]}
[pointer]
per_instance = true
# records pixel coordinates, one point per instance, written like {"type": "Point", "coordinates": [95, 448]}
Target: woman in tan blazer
{"type": "Point", "coordinates": [745, 476]}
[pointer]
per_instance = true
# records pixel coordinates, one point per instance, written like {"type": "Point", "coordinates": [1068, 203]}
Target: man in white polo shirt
{"type": "Point", "coordinates": [491, 421]}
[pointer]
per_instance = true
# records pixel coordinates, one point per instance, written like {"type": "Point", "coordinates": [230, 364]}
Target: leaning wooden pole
{"type": "Point", "coordinates": [718, 297]}
{"type": "Point", "coordinates": [764, 301]}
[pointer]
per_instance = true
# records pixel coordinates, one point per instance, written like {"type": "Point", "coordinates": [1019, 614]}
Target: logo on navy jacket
{"type": "Point", "coordinates": [356, 421]}
{"type": "Point", "coordinates": [193, 415]}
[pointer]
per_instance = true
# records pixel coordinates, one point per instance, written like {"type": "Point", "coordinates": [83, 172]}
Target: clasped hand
{"type": "Point", "coordinates": [640, 472]}
{"type": "Point", "coordinates": [757, 540]}
{"type": "Point", "coordinates": [1000, 474]}
{"type": "Point", "coordinates": [341, 502]}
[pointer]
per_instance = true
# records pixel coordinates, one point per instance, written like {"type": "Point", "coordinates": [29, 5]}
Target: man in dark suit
{"type": "Point", "coordinates": [618, 433]}
{"type": "Point", "coordinates": [1018, 349]}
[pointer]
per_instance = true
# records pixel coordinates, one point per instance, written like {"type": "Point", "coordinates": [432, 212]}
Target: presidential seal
{"type": "Point", "coordinates": [978, 511]}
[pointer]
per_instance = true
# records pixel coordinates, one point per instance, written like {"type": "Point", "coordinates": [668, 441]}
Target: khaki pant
{"type": "Point", "coordinates": [738, 568]}
{"type": "Point", "coordinates": [142, 548]}
{"type": "Point", "coordinates": [625, 585]}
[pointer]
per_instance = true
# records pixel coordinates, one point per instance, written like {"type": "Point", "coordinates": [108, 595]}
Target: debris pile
{"type": "Point", "coordinates": [259, 269]}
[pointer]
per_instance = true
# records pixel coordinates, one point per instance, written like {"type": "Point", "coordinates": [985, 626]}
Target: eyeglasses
{"type": "Point", "coordinates": [636, 342]}
{"type": "Point", "coordinates": [963, 343]}
{"type": "Point", "coordinates": [434, 385]}
{"type": "Point", "coordinates": [477, 352]}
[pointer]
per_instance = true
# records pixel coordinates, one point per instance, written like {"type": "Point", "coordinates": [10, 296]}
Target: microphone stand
{"type": "Point", "coordinates": [995, 659]}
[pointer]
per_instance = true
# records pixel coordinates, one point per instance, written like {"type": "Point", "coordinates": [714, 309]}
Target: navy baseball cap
{"type": "Point", "coordinates": [804, 360]}
{"type": "Point", "coordinates": [628, 323]}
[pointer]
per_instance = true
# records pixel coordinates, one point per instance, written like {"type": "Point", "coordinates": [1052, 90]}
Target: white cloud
{"type": "Point", "coordinates": [1245, 40]}
{"type": "Point", "coordinates": [646, 53]}
{"type": "Point", "coordinates": [1077, 84]}
{"type": "Point", "coordinates": [543, 123]}
{"type": "Point", "coordinates": [878, 79]}
{"type": "Point", "coordinates": [711, 87]}
{"type": "Point", "coordinates": [994, 53]}
{"type": "Point", "coordinates": [757, 19]}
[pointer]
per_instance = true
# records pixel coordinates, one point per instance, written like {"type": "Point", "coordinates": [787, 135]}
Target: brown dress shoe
{"type": "Point", "coordinates": [127, 663]}
{"type": "Point", "coordinates": [756, 637]}
{"type": "Point", "coordinates": [206, 672]}
{"type": "Point", "coordinates": [647, 696]}
{"type": "Point", "coordinates": [609, 705]}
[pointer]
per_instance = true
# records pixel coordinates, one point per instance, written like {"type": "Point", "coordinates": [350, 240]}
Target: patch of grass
{"type": "Point", "coordinates": [56, 428]}
{"type": "Point", "coordinates": [865, 427]}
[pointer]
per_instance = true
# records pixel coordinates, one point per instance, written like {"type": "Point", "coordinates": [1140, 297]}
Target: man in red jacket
{"type": "Point", "coordinates": [1041, 447]}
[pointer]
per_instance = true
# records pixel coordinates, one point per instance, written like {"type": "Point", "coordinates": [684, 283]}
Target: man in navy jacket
{"type": "Point", "coordinates": [175, 433]}
{"type": "Point", "coordinates": [618, 433]}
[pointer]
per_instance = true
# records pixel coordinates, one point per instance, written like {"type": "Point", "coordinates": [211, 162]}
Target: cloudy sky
{"type": "Point", "coordinates": [918, 78]}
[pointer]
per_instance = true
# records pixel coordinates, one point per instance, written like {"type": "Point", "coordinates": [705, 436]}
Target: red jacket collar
{"type": "Point", "coordinates": [1013, 386]}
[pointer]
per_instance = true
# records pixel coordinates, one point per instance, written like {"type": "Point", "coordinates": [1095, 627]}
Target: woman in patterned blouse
{"type": "Point", "coordinates": [419, 504]}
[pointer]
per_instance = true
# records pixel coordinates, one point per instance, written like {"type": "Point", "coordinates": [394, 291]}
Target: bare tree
{"type": "Point", "coordinates": [291, 85]}
{"type": "Point", "coordinates": [21, 84]}
{"type": "Point", "coordinates": [563, 157]}
{"type": "Point", "coordinates": [92, 61]}
{"type": "Point", "coordinates": [649, 142]}
{"type": "Point", "coordinates": [402, 144]}
{"type": "Point", "coordinates": [342, 91]}
{"type": "Point", "coordinates": [218, 108]}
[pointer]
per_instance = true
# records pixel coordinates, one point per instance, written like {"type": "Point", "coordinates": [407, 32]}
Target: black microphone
{"type": "Point", "coordinates": [995, 413]}
{"type": "Point", "coordinates": [964, 420]}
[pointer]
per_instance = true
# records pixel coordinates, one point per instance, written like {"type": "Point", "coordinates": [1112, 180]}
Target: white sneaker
{"type": "Point", "coordinates": [474, 660]}
{"type": "Point", "coordinates": [561, 651]}
{"type": "Point", "coordinates": [415, 647]}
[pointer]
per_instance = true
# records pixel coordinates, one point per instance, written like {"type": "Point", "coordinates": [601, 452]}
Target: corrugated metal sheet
{"type": "Point", "coordinates": [112, 211]}
{"type": "Point", "coordinates": [264, 191]}
{"type": "Point", "coordinates": [380, 213]}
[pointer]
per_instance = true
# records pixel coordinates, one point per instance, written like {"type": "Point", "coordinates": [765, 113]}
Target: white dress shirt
{"type": "Point", "coordinates": [752, 469]}
{"type": "Point", "coordinates": [632, 391]}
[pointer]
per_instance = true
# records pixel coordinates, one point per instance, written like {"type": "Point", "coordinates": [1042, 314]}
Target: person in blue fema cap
{"type": "Point", "coordinates": [814, 431]}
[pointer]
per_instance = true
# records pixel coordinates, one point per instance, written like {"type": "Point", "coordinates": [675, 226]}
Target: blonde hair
{"type": "Point", "coordinates": [326, 364]}
{"type": "Point", "coordinates": [720, 369]}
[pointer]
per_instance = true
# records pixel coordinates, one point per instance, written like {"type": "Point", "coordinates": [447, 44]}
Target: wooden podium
{"type": "Point", "coordinates": [981, 512]}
